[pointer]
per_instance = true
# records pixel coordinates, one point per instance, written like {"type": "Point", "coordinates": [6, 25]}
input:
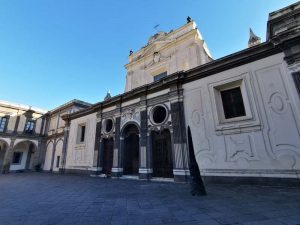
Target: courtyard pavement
{"type": "Point", "coordinates": [48, 199]}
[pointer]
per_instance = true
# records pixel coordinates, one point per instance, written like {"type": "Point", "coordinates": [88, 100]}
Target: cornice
{"type": "Point", "coordinates": [228, 62]}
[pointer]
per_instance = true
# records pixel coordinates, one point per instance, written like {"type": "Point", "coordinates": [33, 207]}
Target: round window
{"type": "Point", "coordinates": [108, 125]}
{"type": "Point", "coordinates": [159, 114]}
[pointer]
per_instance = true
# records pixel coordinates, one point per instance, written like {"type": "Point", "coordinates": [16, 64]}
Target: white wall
{"type": "Point", "coordinates": [179, 50]}
{"type": "Point", "coordinates": [48, 157]}
{"type": "Point", "coordinates": [58, 152]}
{"type": "Point", "coordinates": [80, 155]}
{"type": "Point", "coordinates": [265, 144]}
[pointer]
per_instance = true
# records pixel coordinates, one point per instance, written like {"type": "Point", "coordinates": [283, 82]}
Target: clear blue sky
{"type": "Point", "coordinates": [52, 51]}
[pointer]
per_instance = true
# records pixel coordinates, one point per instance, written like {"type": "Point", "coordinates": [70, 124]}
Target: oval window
{"type": "Point", "coordinates": [159, 114]}
{"type": "Point", "coordinates": [108, 125]}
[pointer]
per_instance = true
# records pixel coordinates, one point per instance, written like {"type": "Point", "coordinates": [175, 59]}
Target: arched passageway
{"type": "Point", "coordinates": [107, 157]}
{"type": "Point", "coordinates": [131, 150]}
{"type": "Point", "coordinates": [162, 154]}
{"type": "Point", "coordinates": [22, 158]}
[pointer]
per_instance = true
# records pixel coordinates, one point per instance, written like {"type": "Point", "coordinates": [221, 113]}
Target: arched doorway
{"type": "Point", "coordinates": [3, 148]}
{"type": "Point", "coordinates": [162, 154]}
{"type": "Point", "coordinates": [131, 150]}
{"type": "Point", "coordinates": [107, 157]}
{"type": "Point", "coordinates": [23, 155]}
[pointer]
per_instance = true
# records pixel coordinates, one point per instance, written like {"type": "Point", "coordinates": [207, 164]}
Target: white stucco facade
{"type": "Point", "coordinates": [178, 50]}
{"type": "Point", "coordinates": [80, 154]}
{"type": "Point", "coordinates": [267, 143]}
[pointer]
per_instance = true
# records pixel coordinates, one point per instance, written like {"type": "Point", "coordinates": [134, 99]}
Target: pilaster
{"type": "Point", "coordinates": [117, 169]}
{"type": "Point", "coordinates": [179, 140]}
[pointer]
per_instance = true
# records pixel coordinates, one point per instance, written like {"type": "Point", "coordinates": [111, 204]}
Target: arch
{"type": "Point", "coordinates": [48, 156]}
{"type": "Point", "coordinates": [162, 157]}
{"type": "Point", "coordinates": [22, 155]}
{"type": "Point", "coordinates": [127, 124]}
{"type": "Point", "coordinates": [131, 149]}
{"type": "Point", "coordinates": [4, 141]}
{"type": "Point", "coordinates": [58, 140]}
{"type": "Point", "coordinates": [18, 141]}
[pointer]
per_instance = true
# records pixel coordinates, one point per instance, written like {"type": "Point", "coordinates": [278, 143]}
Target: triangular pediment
{"type": "Point", "coordinates": [155, 47]}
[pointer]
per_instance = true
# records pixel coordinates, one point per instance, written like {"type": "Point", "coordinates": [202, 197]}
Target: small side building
{"type": "Point", "coordinates": [56, 133]}
{"type": "Point", "coordinates": [22, 135]}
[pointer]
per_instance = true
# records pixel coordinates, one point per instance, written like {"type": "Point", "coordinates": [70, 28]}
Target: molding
{"type": "Point", "coordinates": [116, 170]}
{"type": "Point", "coordinates": [145, 170]}
{"type": "Point", "coordinates": [181, 172]}
{"type": "Point", "coordinates": [228, 62]}
{"type": "Point", "coordinates": [251, 173]}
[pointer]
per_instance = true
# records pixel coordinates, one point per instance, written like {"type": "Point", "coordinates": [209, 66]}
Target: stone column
{"type": "Point", "coordinates": [65, 147]}
{"type": "Point", "coordinates": [34, 156]}
{"type": "Point", "coordinates": [8, 156]}
{"type": "Point", "coordinates": [100, 156]}
{"type": "Point", "coordinates": [179, 140]}
{"type": "Point", "coordinates": [149, 154]}
{"type": "Point", "coordinates": [42, 149]}
{"type": "Point", "coordinates": [117, 169]}
{"type": "Point", "coordinates": [144, 170]}
{"type": "Point", "coordinates": [98, 148]}
{"type": "Point", "coordinates": [53, 155]}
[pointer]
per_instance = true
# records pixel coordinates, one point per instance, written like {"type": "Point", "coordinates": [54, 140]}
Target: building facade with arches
{"type": "Point", "coordinates": [32, 138]}
{"type": "Point", "coordinates": [239, 113]}
{"type": "Point", "coordinates": [22, 135]}
{"type": "Point", "coordinates": [242, 110]}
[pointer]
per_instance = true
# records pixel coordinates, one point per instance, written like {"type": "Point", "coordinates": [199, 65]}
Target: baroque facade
{"type": "Point", "coordinates": [240, 112]}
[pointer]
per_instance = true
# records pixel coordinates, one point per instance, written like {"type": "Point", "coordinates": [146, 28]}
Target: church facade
{"type": "Point", "coordinates": [242, 110]}
{"type": "Point", "coordinates": [241, 113]}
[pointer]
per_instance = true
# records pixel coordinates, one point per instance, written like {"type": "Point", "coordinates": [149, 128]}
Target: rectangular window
{"type": "Point", "coordinates": [233, 104]}
{"type": "Point", "coordinates": [3, 121]}
{"type": "Point", "coordinates": [82, 134]}
{"type": "Point", "coordinates": [29, 127]}
{"type": "Point", "coordinates": [17, 158]}
{"type": "Point", "coordinates": [296, 77]}
{"type": "Point", "coordinates": [57, 161]}
{"type": "Point", "coordinates": [160, 76]}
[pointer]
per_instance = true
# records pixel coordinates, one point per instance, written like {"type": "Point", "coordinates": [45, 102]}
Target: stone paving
{"type": "Point", "coordinates": [48, 199]}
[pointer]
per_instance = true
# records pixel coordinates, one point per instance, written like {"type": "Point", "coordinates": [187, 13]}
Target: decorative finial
{"type": "Point", "coordinates": [131, 52]}
{"type": "Point", "coordinates": [188, 19]}
{"type": "Point", "coordinates": [108, 96]}
{"type": "Point", "coordinates": [253, 39]}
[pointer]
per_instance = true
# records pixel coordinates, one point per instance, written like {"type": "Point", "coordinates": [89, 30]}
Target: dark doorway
{"type": "Point", "coordinates": [107, 159]}
{"type": "Point", "coordinates": [131, 150]}
{"type": "Point", "coordinates": [162, 154]}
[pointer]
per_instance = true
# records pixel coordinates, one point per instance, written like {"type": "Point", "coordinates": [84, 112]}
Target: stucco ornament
{"type": "Point", "coordinates": [156, 57]}
{"type": "Point", "coordinates": [130, 115]}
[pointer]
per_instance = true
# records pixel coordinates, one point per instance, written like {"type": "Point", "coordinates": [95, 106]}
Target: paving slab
{"type": "Point", "coordinates": [55, 199]}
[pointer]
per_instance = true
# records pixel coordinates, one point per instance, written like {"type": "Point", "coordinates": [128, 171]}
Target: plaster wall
{"type": "Point", "coordinates": [22, 122]}
{"type": "Point", "coordinates": [58, 152]}
{"type": "Point", "coordinates": [48, 157]}
{"type": "Point", "coordinates": [80, 155]}
{"type": "Point", "coordinates": [266, 143]}
{"type": "Point", "coordinates": [178, 50]}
